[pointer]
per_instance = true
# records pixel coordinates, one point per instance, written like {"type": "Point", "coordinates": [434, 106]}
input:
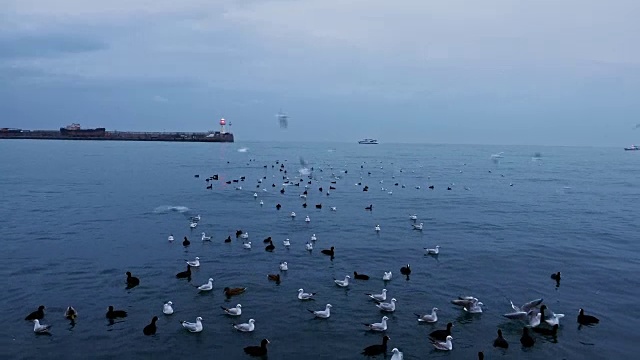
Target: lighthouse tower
{"type": "Point", "coordinates": [222, 125]}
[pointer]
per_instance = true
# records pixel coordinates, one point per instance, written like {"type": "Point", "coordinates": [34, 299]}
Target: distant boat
{"type": "Point", "coordinates": [368, 141]}
{"type": "Point", "coordinates": [632, 147]}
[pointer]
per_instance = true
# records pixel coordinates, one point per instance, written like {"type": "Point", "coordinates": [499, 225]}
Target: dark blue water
{"type": "Point", "coordinates": [75, 216]}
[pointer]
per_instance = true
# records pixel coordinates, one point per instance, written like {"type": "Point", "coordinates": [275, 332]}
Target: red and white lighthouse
{"type": "Point", "coordinates": [223, 122]}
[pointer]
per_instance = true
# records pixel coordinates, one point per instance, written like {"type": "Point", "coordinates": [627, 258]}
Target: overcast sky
{"type": "Point", "coordinates": [561, 72]}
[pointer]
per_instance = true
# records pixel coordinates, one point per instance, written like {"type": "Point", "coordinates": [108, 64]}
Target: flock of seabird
{"type": "Point", "coordinates": [534, 315]}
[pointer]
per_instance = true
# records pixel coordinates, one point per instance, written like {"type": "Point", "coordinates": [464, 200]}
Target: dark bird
{"type": "Point", "coordinates": [238, 233]}
{"type": "Point", "coordinates": [267, 240]}
{"type": "Point", "coordinates": [370, 207]}
{"type": "Point", "coordinates": [36, 315]}
{"type": "Point", "coordinates": [556, 276]}
{"type": "Point", "coordinates": [114, 314]}
{"type": "Point", "coordinates": [448, 187]}
{"type": "Point", "coordinates": [227, 182]}
{"type": "Point", "coordinates": [278, 206]}
{"type": "Point", "coordinates": [332, 188]}
{"type": "Point", "coordinates": [233, 291]}
{"type": "Point", "coordinates": [210, 186]}
{"type": "Point", "coordinates": [186, 242]}
{"type": "Point", "coordinates": [318, 206]}
{"type": "Point", "coordinates": [132, 281]}
{"type": "Point", "coordinates": [270, 247]}
{"type": "Point", "coordinates": [196, 175]}
{"type": "Point", "coordinates": [546, 331]}
{"type": "Point", "coordinates": [320, 189]}
{"type": "Point", "coordinates": [377, 349]}
{"type": "Point", "coordinates": [184, 274]}
{"type": "Point", "coordinates": [275, 278]}
{"type": "Point", "coordinates": [304, 205]}
{"type": "Point", "coordinates": [328, 252]}
{"type": "Point", "coordinates": [257, 350]}
{"type": "Point", "coordinates": [151, 328]}
{"type": "Point", "coordinates": [228, 239]}
{"type": "Point", "coordinates": [587, 319]}
{"type": "Point", "coordinates": [480, 355]}
{"type": "Point", "coordinates": [431, 187]}
{"type": "Point", "coordinates": [282, 191]}
{"type": "Point", "coordinates": [526, 340]}
{"type": "Point", "coordinates": [360, 276]}
{"type": "Point", "coordinates": [405, 270]}
{"type": "Point", "coordinates": [442, 333]}
{"type": "Point", "coordinates": [500, 341]}
{"type": "Point", "coordinates": [70, 313]}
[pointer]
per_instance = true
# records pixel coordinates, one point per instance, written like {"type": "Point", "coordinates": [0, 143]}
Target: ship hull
{"type": "Point", "coordinates": [99, 135]}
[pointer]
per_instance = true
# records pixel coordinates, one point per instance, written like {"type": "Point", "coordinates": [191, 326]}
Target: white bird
{"type": "Point", "coordinates": [40, 329]}
{"type": "Point", "coordinates": [193, 225]}
{"type": "Point", "coordinates": [333, 208]}
{"type": "Point", "coordinates": [238, 187]}
{"type": "Point", "coordinates": [246, 327]}
{"type": "Point", "coordinates": [261, 202]}
{"type": "Point", "coordinates": [293, 214]}
{"type": "Point", "coordinates": [429, 318]}
{"type": "Point", "coordinates": [377, 228]}
{"type": "Point", "coordinates": [255, 195]}
{"type": "Point", "coordinates": [167, 309]}
{"type": "Point", "coordinates": [387, 276]}
{"type": "Point", "coordinates": [313, 237]}
{"type": "Point", "coordinates": [469, 304]}
{"type": "Point", "coordinates": [284, 266]}
{"type": "Point", "coordinates": [388, 307]}
{"type": "Point", "coordinates": [308, 246]}
{"type": "Point", "coordinates": [446, 346]}
{"type": "Point", "coordinates": [379, 297]}
{"type": "Point", "coordinates": [549, 316]}
{"type": "Point", "coordinates": [304, 296]}
{"type": "Point", "coordinates": [193, 327]}
{"type": "Point", "coordinates": [286, 242]}
{"type": "Point", "coordinates": [343, 283]}
{"type": "Point", "coordinates": [417, 227]}
{"type": "Point", "coordinates": [381, 326]}
{"type": "Point", "coordinates": [206, 287]}
{"type": "Point", "coordinates": [196, 218]}
{"type": "Point", "coordinates": [413, 217]}
{"type": "Point", "coordinates": [194, 263]}
{"type": "Point", "coordinates": [323, 314]}
{"type": "Point", "coordinates": [434, 251]}
{"type": "Point", "coordinates": [307, 219]}
{"type": "Point", "coordinates": [397, 354]}
{"type": "Point", "coordinates": [244, 235]}
{"type": "Point", "coordinates": [234, 311]}
{"type": "Point", "coordinates": [247, 245]}
{"type": "Point", "coordinates": [303, 196]}
{"type": "Point", "coordinates": [205, 237]}
{"type": "Point", "coordinates": [170, 238]}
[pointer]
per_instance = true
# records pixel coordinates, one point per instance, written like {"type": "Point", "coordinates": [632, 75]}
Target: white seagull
{"type": "Point", "coordinates": [387, 276]}
{"type": "Point", "coordinates": [445, 346]}
{"type": "Point", "coordinates": [206, 287]}
{"type": "Point", "coordinates": [247, 245]}
{"type": "Point", "coordinates": [343, 283]}
{"type": "Point", "coordinates": [261, 202]}
{"type": "Point", "coordinates": [428, 318]}
{"type": "Point", "coordinates": [205, 237]}
{"type": "Point", "coordinates": [307, 219]}
{"type": "Point", "coordinates": [549, 316]}
{"type": "Point", "coordinates": [304, 296]}
{"type": "Point", "coordinates": [417, 227]}
{"type": "Point", "coordinates": [333, 208]}
{"type": "Point", "coordinates": [381, 326]}
{"type": "Point", "coordinates": [413, 217]}
{"type": "Point", "coordinates": [379, 297]}
{"type": "Point", "coordinates": [434, 251]}
{"type": "Point", "coordinates": [167, 309]}
{"type": "Point", "coordinates": [234, 311]}
{"type": "Point", "coordinates": [286, 242]}
{"type": "Point", "coordinates": [170, 238]}
{"type": "Point", "coordinates": [244, 235]}
{"type": "Point", "coordinates": [193, 327]}
{"type": "Point", "coordinates": [284, 266]}
{"type": "Point", "coordinates": [40, 329]}
{"type": "Point", "coordinates": [388, 307]}
{"type": "Point", "coordinates": [469, 304]}
{"type": "Point", "coordinates": [293, 214]}
{"type": "Point", "coordinates": [194, 263]}
{"type": "Point", "coordinates": [313, 237]}
{"type": "Point", "coordinates": [255, 195]}
{"type": "Point", "coordinates": [397, 354]}
{"type": "Point", "coordinates": [377, 228]}
{"type": "Point", "coordinates": [246, 327]}
{"type": "Point", "coordinates": [308, 246]}
{"type": "Point", "coordinates": [322, 314]}
{"type": "Point", "coordinates": [193, 225]}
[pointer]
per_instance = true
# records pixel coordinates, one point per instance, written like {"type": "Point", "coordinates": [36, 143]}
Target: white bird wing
{"type": "Point", "coordinates": [530, 305]}
{"type": "Point", "coordinates": [189, 325]}
{"type": "Point", "coordinates": [518, 315]}
{"type": "Point", "coordinates": [242, 327]}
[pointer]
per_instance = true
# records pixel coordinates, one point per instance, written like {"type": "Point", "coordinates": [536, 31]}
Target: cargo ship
{"type": "Point", "coordinates": [368, 141]}
{"type": "Point", "coordinates": [75, 132]}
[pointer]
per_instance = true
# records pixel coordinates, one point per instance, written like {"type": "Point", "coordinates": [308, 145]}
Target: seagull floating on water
{"type": "Point", "coordinates": [284, 266]}
{"type": "Point", "coordinates": [413, 217]}
{"type": "Point", "coordinates": [381, 326]}
{"type": "Point", "coordinates": [308, 246]}
{"type": "Point", "coordinates": [397, 354]}
{"type": "Point", "coordinates": [206, 287]}
{"type": "Point", "coordinates": [194, 263]}
{"type": "Point", "coordinates": [343, 283]}
{"type": "Point", "coordinates": [313, 237]}
{"type": "Point", "coordinates": [167, 309]}
{"type": "Point", "coordinates": [246, 327]}
{"type": "Point", "coordinates": [388, 307]}
{"type": "Point", "coordinates": [469, 304]}
{"type": "Point", "coordinates": [307, 219]}
{"type": "Point", "coordinates": [333, 208]}
{"type": "Point", "coordinates": [40, 328]}
{"type": "Point", "coordinates": [387, 276]}
{"type": "Point", "coordinates": [434, 251]}
{"type": "Point", "coordinates": [286, 242]}
{"type": "Point", "coordinates": [377, 228]}
{"type": "Point", "coordinates": [445, 346]}
{"type": "Point", "coordinates": [549, 316]}
{"type": "Point", "coordinates": [293, 214]}
{"type": "Point", "coordinates": [428, 318]}
{"type": "Point", "coordinates": [193, 327]}
{"type": "Point", "coordinates": [234, 311]}
{"type": "Point", "coordinates": [379, 297]}
{"type": "Point", "coordinates": [170, 238]}
{"type": "Point", "coordinates": [322, 314]}
{"type": "Point", "coordinates": [247, 245]}
{"type": "Point", "coordinates": [244, 235]}
{"type": "Point", "coordinates": [304, 296]}
{"type": "Point", "coordinates": [205, 237]}
{"type": "Point", "coordinates": [193, 225]}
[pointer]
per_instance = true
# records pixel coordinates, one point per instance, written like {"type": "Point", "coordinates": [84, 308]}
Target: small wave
{"type": "Point", "coordinates": [244, 149]}
{"type": "Point", "coordinates": [168, 208]}
{"type": "Point", "coordinates": [304, 171]}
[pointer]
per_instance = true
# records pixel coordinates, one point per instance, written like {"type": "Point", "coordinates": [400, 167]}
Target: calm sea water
{"type": "Point", "coordinates": [75, 216]}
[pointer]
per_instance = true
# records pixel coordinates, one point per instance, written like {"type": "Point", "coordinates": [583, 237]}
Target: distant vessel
{"type": "Point", "coordinates": [632, 147]}
{"type": "Point", "coordinates": [283, 119]}
{"type": "Point", "coordinates": [368, 141]}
